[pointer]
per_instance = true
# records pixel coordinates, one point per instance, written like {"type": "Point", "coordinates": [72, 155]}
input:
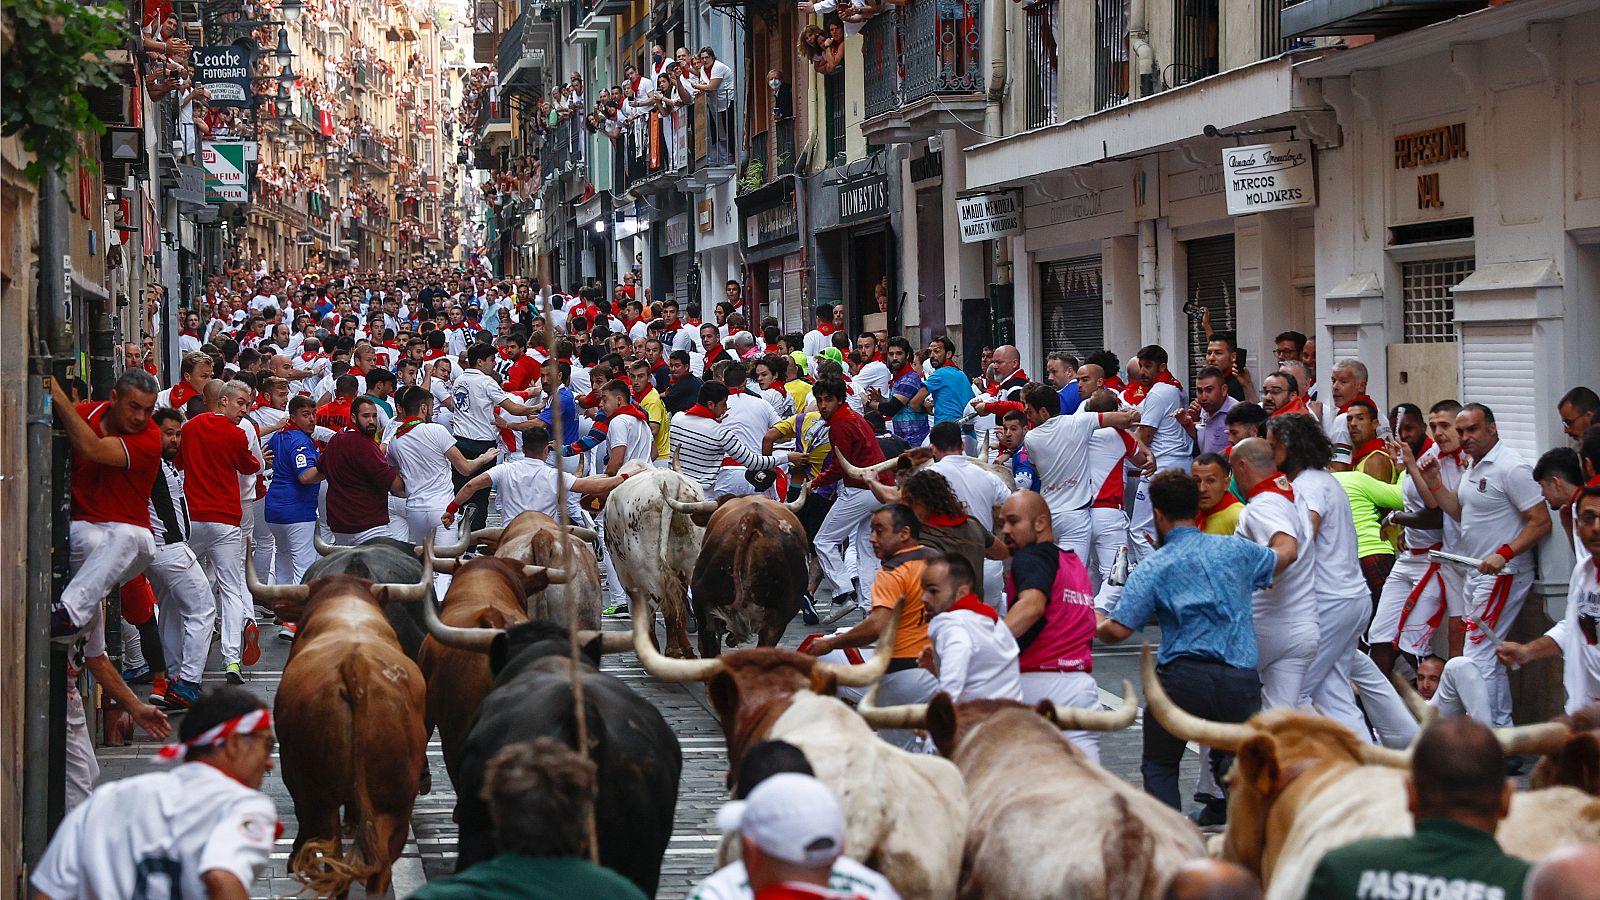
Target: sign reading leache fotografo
{"type": "Point", "coordinates": [984, 217]}
{"type": "Point", "coordinates": [1265, 177]}
{"type": "Point", "coordinates": [225, 73]}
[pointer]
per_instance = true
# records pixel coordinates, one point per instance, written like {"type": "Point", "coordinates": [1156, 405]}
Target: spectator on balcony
{"type": "Point", "coordinates": [782, 96]}
{"type": "Point", "coordinates": [716, 79]}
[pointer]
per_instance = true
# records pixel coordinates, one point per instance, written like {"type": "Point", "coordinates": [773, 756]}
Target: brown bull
{"type": "Point", "coordinates": [1303, 785]}
{"type": "Point", "coordinates": [750, 577]}
{"type": "Point", "coordinates": [1574, 761]}
{"type": "Point", "coordinates": [349, 722]}
{"type": "Point", "coordinates": [536, 539]}
{"type": "Point", "coordinates": [487, 592]}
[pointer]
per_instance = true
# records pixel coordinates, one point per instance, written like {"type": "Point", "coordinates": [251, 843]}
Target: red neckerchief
{"type": "Point", "coordinates": [1134, 394]}
{"type": "Point", "coordinates": [713, 350]}
{"type": "Point", "coordinates": [150, 367]}
{"type": "Point", "coordinates": [1277, 484]}
{"type": "Point", "coordinates": [735, 390]}
{"type": "Point", "coordinates": [946, 521]}
{"type": "Point", "coordinates": [1114, 383]}
{"type": "Point", "coordinates": [699, 409]}
{"type": "Point", "coordinates": [826, 329]}
{"type": "Point", "coordinates": [181, 393]}
{"type": "Point", "coordinates": [640, 395]}
{"type": "Point", "coordinates": [189, 333]}
{"type": "Point", "coordinates": [631, 410]}
{"type": "Point", "coordinates": [877, 357]}
{"type": "Point", "coordinates": [971, 603]}
{"type": "Point", "coordinates": [1005, 384]}
{"type": "Point", "coordinates": [1427, 444]}
{"type": "Point", "coordinates": [1297, 405]}
{"type": "Point", "coordinates": [780, 387]}
{"type": "Point", "coordinates": [1357, 398]}
{"type": "Point", "coordinates": [1228, 500]}
{"type": "Point", "coordinates": [407, 425]}
{"type": "Point", "coordinates": [1165, 377]}
{"type": "Point", "coordinates": [355, 371]}
{"type": "Point", "coordinates": [1366, 450]}
{"type": "Point", "coordinates": [770, 348]}
{"type": "Point", "coordinates": [949, 364]}
{"type": "Point", "coordinates": [904, 371]}
{"type": "Point", "coordinates": [658, 364]}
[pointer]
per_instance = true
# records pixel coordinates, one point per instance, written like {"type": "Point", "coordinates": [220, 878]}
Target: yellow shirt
{"type": "Point", "coordinates": [813, 442]}
{"type": "Point", "coordinates": [799, 391]}
{"type": "Point", "coordinates": [656, 411]}
{"type": "Point", "coordinates": [1223, 521]}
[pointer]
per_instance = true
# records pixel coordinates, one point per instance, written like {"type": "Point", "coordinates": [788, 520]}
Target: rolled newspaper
{"type": "Point", "coordinates": [1454, 558]}
{"type": "Point", "coordinates": [1488, 634]}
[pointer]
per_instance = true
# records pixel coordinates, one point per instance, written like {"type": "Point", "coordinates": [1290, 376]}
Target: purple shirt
{"type": "Point", "coordinates": [1211, 432]}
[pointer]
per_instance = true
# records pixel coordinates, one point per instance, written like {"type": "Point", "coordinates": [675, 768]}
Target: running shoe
{"type": "Point", "coordinates": [62, 629]}
{"type": "Point", "coordinates": [139, 674]}
{"type": "Point", "coordinates": [848, 598]}
{"type": "Point", "coordinates": [615, 611]}
{"type": "Point", "coordinates": [808, 611]}
{"type": "Point", "coordinates": [158, 690]}
{"type": "Point", "coordinates": [288, 631]}
{"type": "Point", "coordinates": [181, 695]}
{"type": "Point", "coordinates": [251, 654]}
{"type": "Point", "coordinates": [233, 673]}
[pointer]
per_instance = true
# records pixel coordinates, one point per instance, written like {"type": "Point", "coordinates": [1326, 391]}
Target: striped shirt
{"type": "Point", "coordinates": [702, 446]}
{"type": "Point", "coordinates": [169, 511]}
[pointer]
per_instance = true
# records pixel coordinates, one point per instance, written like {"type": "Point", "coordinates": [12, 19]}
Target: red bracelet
{"type": "Point", "coordinates": [1505, 552]}
{"type": "Point", "coordinates": [452, 508]}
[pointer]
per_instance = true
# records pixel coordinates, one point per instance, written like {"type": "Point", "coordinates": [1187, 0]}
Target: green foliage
{"type": "Point", "coordinates": [754, 176]}
{"type": "Point", "coordinates": [55, 49]}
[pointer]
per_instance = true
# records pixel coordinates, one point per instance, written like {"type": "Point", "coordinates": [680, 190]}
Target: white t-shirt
{"type": "Point", "coordinates": [247, 483]}
{"type": "Point", "coordinates": [1108, 449]}
{"type": "Point", "coordinates": [525, 485]}
{"type": "Point", "coordinates": [978, 489]}
{"type": "Point", "coordinates": [1423, 538]}
{"type": "Point", "coordinates": [1059, 450]}
{"type": "Point", "coordinates": [419, 454]}
{"type": "Point", "coordinates": [749, 418]}
{"type": "Point", "coordinates": [1580, 660]}
{"type": "Point", "coordinates": [1495, 491]}
{"type": "Point", "coordinates": [476, 397]}
{"type": "Point", "coordinates": [156, 834]}
{"type": "Point", "coordinates": [873, 375]}
{"type": "Point", "coordinates": [1338, 572]}
{"type": "Point", "coordinates": [440, 390]}
{"type": "Point", "coordinates": [1339, 433]}
{"type": "Point", "coordinates": [977, 656]}
{"type": "Point", "coordinates": [722, 97]}
{"type": "Point", "coordinates": [732, 882]}
{"type": "Point", "coordinates": [1171, 442]}
{"type": "Point", "coordinates": [1291, 598]}
{"type": "Point", "coordinates": [633, 435]}
{"type": "Point", "coordinates": [262, 301]}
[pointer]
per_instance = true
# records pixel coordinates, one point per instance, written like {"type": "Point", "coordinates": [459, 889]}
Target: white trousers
{"type": "Point", "coordinates": [1074, 530]}
{"type": "Point", "coordinates": [1327, 681]}
{"type": "Point", "coordinates": [730, 482]}
{"type": "Point", "coordinates": [1066, 689]}
{"type": "Point", "coordinates": [82, 767]}
{"type": "Point", "coordinates": [104, 555]}
{"type": "Point", "coordinates": [295, 551]}
{"type": "Point", "coordinates": [264, 540]}
{"type": "Point", "coordinates": [1110, 534]}
{"type": "Point", "coordinates": [994, 585]}
{"type": "Point", "coordinates": [1442, 589]}
{"type": "Point", "coordinates": [1284, 652]}
{"type": "Point", "coordinates": [1461, 692]}
{"type": "Point", "coordinates": [619, 596]}
{"type": "Point", "coordinates": [186, 608]}
{"type": "Point", "coordinates": [220, 547]}
{"type": "Point", "coordinates": [344, 539]}
{"type": "Point", "coordinates": [1498, 608]}
{"type": "Point", "coordinates": [418, 520]}
{"type": "Point", "coordinates": [895, 688]}
{"type": "Point", "coordinates": [849, 520]}
{"type": "Point", "coordinates": [1143, 520]}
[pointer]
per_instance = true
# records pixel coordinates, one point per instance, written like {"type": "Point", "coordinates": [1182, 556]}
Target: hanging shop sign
{"type": "Point", "coordinates": [1266, 177]}
{"type": "Point", "coordinates": [863, 198]}
{"type": "Point", "coordinates": [225, 73]}
{"type": "Point", "coordinates": [677, 234]}
{"type": "Point", "coordinates": [227, 180]}
{"type": "Point", "coordinates": [984, 217]}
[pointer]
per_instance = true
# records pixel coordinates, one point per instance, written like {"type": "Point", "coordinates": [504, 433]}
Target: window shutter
{"type": "Point", "coordinates": [1497, 370]}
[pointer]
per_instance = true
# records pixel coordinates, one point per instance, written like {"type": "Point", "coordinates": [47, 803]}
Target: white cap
{"type": "Point", "coordinates": [790, 816]}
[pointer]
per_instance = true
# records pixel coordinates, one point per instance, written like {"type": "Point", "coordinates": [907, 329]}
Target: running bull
{"type": "Point", "coordinates": [905, 813]}
{"type": "Point", "coordinates": [1033, 793]}
{"type": "Point", "coordinates": [383, 560]}
{"type": "Point", "coordinates": [534, 538]}
{"type": "Point", "coordinates": [654, 546]}
{"type": "Point", "coordinates": [634, 750]}
{"type": "Point", "coordinates": [349, 720]}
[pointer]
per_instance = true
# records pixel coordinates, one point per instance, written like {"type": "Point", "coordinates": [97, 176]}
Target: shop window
{"type": "Point", "coordinates": [1428, 298]}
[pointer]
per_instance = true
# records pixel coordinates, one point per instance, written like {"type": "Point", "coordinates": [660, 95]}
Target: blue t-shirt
{"type": "Point", "coordinates": [950, 390]}
{"type": "Point", "coordinates": [1070, 399]}
{"type": "Point", "coordinates": [1198, 586]}
{"type": "Point", "coordinates": [1022, 470]}
{"type": "Point", "coordinates": [289, 501]}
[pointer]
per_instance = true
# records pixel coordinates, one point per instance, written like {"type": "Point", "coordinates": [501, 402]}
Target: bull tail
{"type": "Point", "coordinates": [322, 865]}
{"type": "Point", "coordinates": [1128, 850]}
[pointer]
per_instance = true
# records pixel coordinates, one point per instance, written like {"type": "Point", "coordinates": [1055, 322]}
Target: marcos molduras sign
{"type": "Point", "coordinates": [985, 217]}
{"type": "Point", "coordinates": [1265, 177]}
{"type": "Point", "coordinates": [225, 73]}
{"type": "Point", "coordinates": [863, 198]}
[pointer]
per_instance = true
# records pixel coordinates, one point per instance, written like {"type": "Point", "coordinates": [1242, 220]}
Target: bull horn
{"type": "Point", "coordinates": [910, 715]}
{"type": "Point", "coordinates": [268, 593]}
{"type": "Point", "coordinates": [662, 667]}
{"type": "Point", "coordinates": [422, 590]}
{"type": "Point", "coordinates": [1182, 724]}
{"type": "Point", "coordinates": [466, 539]}
{"type": "Point", "coordinates": [1383, 756]}
{"type": "Point", "coordinates": [983, 449]}
{"type": "Point", "coordinates": [797, 503]}
{"type": "Point", "coordinates": [700, 507]}
{"type": "Point", "coordinates": [477, 640]}
{"type": "Point", "coordinates": [610, 641]}
{"type": "Point", "coordinates": [447, 565]}
{"type": "Point", "coordinates": [1527, 740]}
{"type": "Point", "coordinates": [869, 672]}
{"type": "Point", "coordinates": [583, 534]}
{"type": "Point", "coordinates": [677, 463]}
{"type": "Point", "coordinates": [1414, 702]}
{"type": "Point", "coordinates": [868, 473]}
{"type": "Point", "coordinates": [551, 573]}
{"type": "Point", "coordinates": [323, 547]}
{"type": "Point", "coordinates": [1071, 718]}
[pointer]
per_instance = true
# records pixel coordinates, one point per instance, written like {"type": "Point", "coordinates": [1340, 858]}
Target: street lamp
{"type": "Point", "coordinates": [283, 53]}
{"type": "Point", "coordinates": [291, 9]}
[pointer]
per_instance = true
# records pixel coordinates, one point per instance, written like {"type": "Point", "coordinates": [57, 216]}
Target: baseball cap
{"type": "Point", "coordinates": [790, 816]}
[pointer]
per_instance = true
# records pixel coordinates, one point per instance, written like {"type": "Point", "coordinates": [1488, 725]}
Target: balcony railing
{"type": "Point", "coordinates": [880, 60]}
{"type": "Point", "coordinates": [1195, 41]}
{"type": "Point", "coordinates": [922, 49]}
{"type": "Point", "coordinates": [1040, 23]}
{"type": "Point", "coordinates": [774, 149]}
{"type": "Point", "coordinates": [563, 147]}
{"type": "Point", "coordinates": [1110, 54]}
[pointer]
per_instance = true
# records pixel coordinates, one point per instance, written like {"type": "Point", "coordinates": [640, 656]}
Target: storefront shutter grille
{"type": "Point", "coordinates": [1071, 304]}
{"type": "Point", "coordinates": [1210, 282]}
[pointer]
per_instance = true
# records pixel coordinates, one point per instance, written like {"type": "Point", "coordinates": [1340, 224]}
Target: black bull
{"type": "Point", "coordinates": [635, 752]}
{"type": "Point", "coordinates": [387, 561]}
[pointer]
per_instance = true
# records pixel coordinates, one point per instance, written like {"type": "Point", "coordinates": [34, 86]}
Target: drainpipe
{"type": "Point", "coordinates": [1149, 290]}
{"type": "Point", "coordinates": [1139, 46]}
{"type": "Point", "coordinates": [998, 39]}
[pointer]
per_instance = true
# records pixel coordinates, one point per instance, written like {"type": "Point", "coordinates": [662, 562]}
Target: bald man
{"type": "Point", "coordinates": [1091, 378]}
{"type": "Point", "coordinates": [1567, 874]}
{"type": "Point", "coordinates": [1003, 393]}
{"type": "Point", "coordinates": [1212, 879]}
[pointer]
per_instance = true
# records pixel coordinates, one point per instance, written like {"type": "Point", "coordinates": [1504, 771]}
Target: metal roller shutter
{"type": "Point", "coordinates": [680, 282]}
{"type": "Point", "coordinates": [1071, 305]}
{"type": "Point", "coordinates": [1212, 284]}
{"type": "Point", "coordinates": [1497, 367]}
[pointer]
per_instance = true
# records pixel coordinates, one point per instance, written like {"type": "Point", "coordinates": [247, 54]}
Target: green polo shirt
{"type": "Point", "coordinates": [1443, 859]}
{"type": "Point", "coordinates": [511, 875]}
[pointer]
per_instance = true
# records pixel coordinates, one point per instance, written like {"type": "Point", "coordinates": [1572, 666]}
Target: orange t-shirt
{"type": "Point", "coordinates": [901, 576]}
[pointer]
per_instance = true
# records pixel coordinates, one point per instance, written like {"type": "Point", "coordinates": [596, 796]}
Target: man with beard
{"type": "Point", "coordinates": [360, 478]}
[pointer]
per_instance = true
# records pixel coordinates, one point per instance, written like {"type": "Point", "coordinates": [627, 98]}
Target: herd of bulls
{"type": "Point", "coordinates": [1006, 809]}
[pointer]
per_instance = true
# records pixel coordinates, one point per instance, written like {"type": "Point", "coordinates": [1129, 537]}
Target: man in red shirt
{"type": "Point", "coordinates": [359, 477]}
{"type": "Point", "coordinates": [335, 414]}
{"type": "Point", "coordinates": [850, 517]}
{"type": "Point", "coordinates": [213, 453]}
{"type": "Point", "coordinates": [525, 370]}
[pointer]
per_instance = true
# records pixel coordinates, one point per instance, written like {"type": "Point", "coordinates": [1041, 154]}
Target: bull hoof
{"type": "Point", "coordinates": [680, 653]}
{"type": "Point", "coordinates": [425, 783]}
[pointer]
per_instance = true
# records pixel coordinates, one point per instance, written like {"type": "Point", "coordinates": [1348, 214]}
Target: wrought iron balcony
{"type": "Point", "coordinates": [923, 70]}
{"type": "Point", "coordinates": [563, 148]}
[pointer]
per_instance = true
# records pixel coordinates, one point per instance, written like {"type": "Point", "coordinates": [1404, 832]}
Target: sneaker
{"type": "Point", "coordinates": [615, 611]}
{"type": "Point", "coordinates": [808, 611]}
{"type": "Point", "coordinates": [848, 598]}
{"type": "Point", "coordinates": [251, 654]}
{"type": "Point", "coordinates": [139, 674]}
{"type": "Point", "coordinates": [181, 695]}
{"type": "Point", "coordinates": [158, 690]}
{"type": "Point", "coordinates": [288, 631]}
{"type": "Point", "coordinates": [263, 612]}
{"type": "Point", "coordinates": [1212, 814]}
{"type": "Point", "coordinates": [62, 629]}
{"type": "Point", "coordinates": [234, 674]}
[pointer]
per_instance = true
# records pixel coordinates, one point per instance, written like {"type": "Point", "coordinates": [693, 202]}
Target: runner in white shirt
{"type": "Point", "coordinates": [1160, 430]}
{"type": "Point", "coordinates": [980, 491]}
{"type": "Point", "coordinates": [425, 454]}
{"type": "Point", "coordinates": [974, 653]}
{"type": "Point", "coordinates": [528, 483]}
{"type": "Point", "coordinates": [477, 395]}
{"type": "Point", "coordinates": [874, 373]}
{"type": "Point", "coordinates": [201, 829]}
{"type": "Point", "coordinates": [1577, 636]}
{"type": "Point", "coordinates": [1343, 599]}
{"type": "Point", "coordinates": [1058, 446]}
{"type": "Point", "coordinates": [1284, 614]}
{"type": "Point", "coordinates": [1503, 517]}
{"type": "Point", "coordinates": [1110, 452]}
{"type": "Point", "coordinates": [749, 418]}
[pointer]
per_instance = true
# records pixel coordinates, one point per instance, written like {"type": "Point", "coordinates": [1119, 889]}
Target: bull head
{"type": "Point", "coordinates": [270, 595]}
{"type": "Point", "coordinates": [481, 640]}
{"type": "Point", "coordinates": [868, 473]}
{"type": "Point", "coordinates": [915, 715]}
{"type": "Point", "coordinates": [276, 595]}
{"type": "Point", "coordinates": [668, 669]}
